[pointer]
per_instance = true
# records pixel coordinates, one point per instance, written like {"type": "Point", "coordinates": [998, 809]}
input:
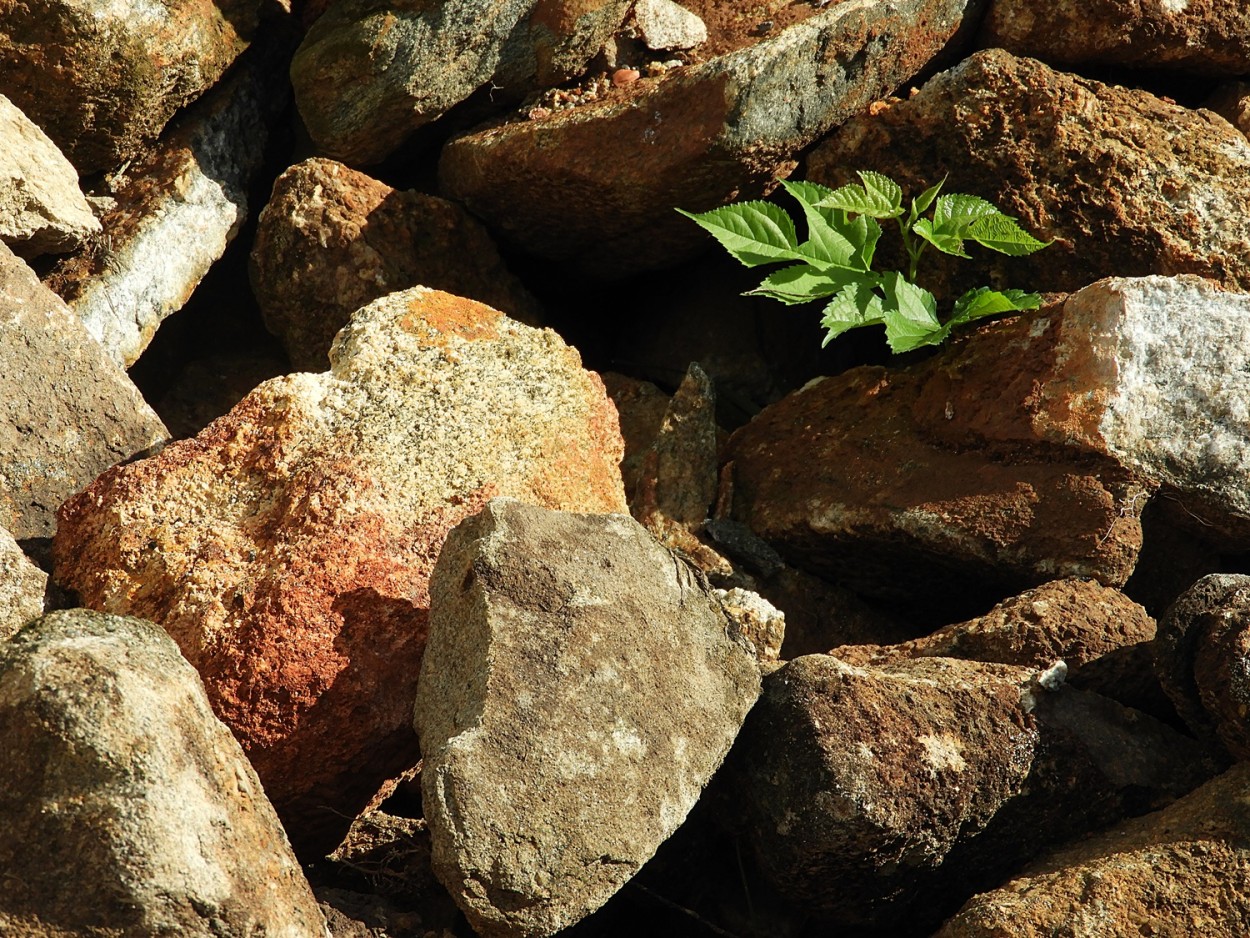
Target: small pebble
{"type": "Point", "coordinates": [623, 76]}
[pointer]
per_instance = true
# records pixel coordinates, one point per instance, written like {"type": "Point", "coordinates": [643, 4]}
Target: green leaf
{"type": "Point", "coordinates": [944, 242]}
{"type": "Point", "coordinates": [864, 232]}
{"type": "Point", "coordinates": [857, 304]}
{"type": "Point", "coordinates": [879, 197]}
{"type": "Point", "coordinates": [753, 232]}
{"type": "Point", "coordinates": [910, 314]}
{"type": "Point", "coordinates": [986, 302]}
{"type": "Point", "coordinates": [831, 237]}
{"type": "Point", "coordinates": [1003, 234]}
{"type": "Point", "coordinates": [801, 283]}
{"type": "Point", "coordinates": [921, 203]}
{"type": "Point", "coordinates": [954, 214]}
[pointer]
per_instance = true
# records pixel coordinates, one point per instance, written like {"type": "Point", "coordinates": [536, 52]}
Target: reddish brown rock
{"type": "Point", "coordinates": [1201, 37]}
{"type": "Point", "coordinates": [288, 547]}
{"type": "Point", "coordinates": [1126, 184]}
{"type": "Point", "coordinates": [332, 239]}
{"type": "Point", "coordinates": [102, 79]}
{"type": "Point", "coordinates": [641, 406]}
{"type": "Point", "coordinates": [594, 186]}
{"type": "Point", "coordinates": [1182, 871]}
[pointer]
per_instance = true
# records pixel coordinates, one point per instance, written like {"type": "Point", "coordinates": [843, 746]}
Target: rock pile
{"type": "Point", "coordinates": [340, 593]}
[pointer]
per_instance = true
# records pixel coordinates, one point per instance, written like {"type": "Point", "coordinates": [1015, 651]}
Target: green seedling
{"type": "Point", "coordinates": [835, 262]}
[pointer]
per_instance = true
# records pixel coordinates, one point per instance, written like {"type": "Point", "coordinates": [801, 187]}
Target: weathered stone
{"type": "Point", "coordinates": [884, 796]}
{"type": "Point", "coordinates": [22, 586]}
{"type": "Point", "coordinates": [1125, 183]}
{"type": "Point", "coordinates": [1182, 871]}
{"type": "Point", "coordinates": [641, 407]}
{"type": "Point", "coordinates": [1094, 629]}
{"type": "Point", "coordinates": [288, 547]}
{"type": "Point", "coordinates": [664, 25]}
{"type": "Point", "coordinates": [209, 387]}
{"type": "Point", "coordinates": [579, 690]}
{"type": "Point", "coordinates": [127, 807]}
{"type": "Point", "coordinates": [175, 214]}
{"type": "Point", "coordinates": [369, 73]}
{"type": "Point", "coordinates": [42, 210]}
{"type": "Point", "coordinates": [1232, 102]}
{"type": "Point", "coordinates": [921, 488]}
{"type": "Point", "coordinates": [332, 239]}
{"type": "Point", "coordinates": [1201, 38]}
{"type": "Point", "coordinates": [67, 412]}
{"type": "Point", "coordinates": [103, 79]}
{"type": "Point", "coordinates": [594, 186]}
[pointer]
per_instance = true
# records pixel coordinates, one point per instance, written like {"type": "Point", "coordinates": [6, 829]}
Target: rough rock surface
{"type": "Point", "coordinates": [1232, 102]}
{"type": "Point", "coordinates": [175, 214]}
{"type": "Point", "coordinates": [128, 808]}
{"type": "Point", "coordinates": [595, 186]}
{"type": "Point", "coordinates": [103, 79]}
{"type": "Point", "coordinates": [1203, 38]}
{"type": "Point", "coordinates": [22, 586]}
{"type": "Point", "coordinates": [663, 24]}
{"type": "Point", "coordinates": [1181, 871]}
{"type": "Point", "coordinates": [332, 239]}
{"type": "Point", "coordinates": [368, 74]}
{"type": "Point", "coordinates": [67, 412]}
{"type": "Point", "coordinates": [288, 547]}
{"type": "Point", "coordinates": [42, 210]}
{"type": "Point", "coordinates": [882, 796]}
{"type": "Point", "coordinates": [579, 689]}
{"type": "Point", "coordinates": [641, 406]}
{"type": "Point", "coordinates": [1099, 633]}
{"type": "Point", "coordinates": [1126, 183]}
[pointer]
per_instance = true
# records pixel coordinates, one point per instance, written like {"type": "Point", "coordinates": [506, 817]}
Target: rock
{"type": "Point", "coordinates": [754, 621]}
{"type": "Point", "coordinates": [664, 25]}
{"type": "Point", "coordinates": [332, 239]}
{"type": "Point", "coordinates": [1099, 633]}
{"type": "Point", "coordinates": [1125, 183]}
{"type": "Point", "coordinates": [368, 74]}
{"type": "Point", "coordinates": [1232, 102]}
{"type": "Point", "coordinates": [594, 186]}
{"type": "Point", "coordinates": [128, 808]}
{"type": "Point", "coordinates": [579, 689]}
{"type": "Point", "coordinates": [863, 479]}
{"type": "Point", "coordinates": [1210, 39]}
{"type": "Point", "coordinates": [1201, 657]}
{"type": "Point", "coordinates": [22, 586]}
{"type": "Point", "coordinates": [883, 796]}
{"type": "Point", "coordinates": [1181, 871]}
{"type": "Point", "coordinates": [287, 548]}
{"type": "Point", "coordinates": [67, 412]}
{"type": "Point", "coordinates": [641, 407]}
{"type": "Point", "coordinates": [208, 387]}
{"type": "Point", "coordinates": [42, 210]}
{"type": "Point", "coordinates": [103, 80]}
{"type": "Point", "coordinates": [175, 215]}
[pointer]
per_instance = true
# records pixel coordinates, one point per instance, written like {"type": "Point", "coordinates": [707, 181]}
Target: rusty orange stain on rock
{"type": "Point", "coordinates": [436, 314]}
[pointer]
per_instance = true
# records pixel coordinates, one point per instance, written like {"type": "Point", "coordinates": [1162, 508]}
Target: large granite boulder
{"type": "Point", "coordinates": [288, 547]}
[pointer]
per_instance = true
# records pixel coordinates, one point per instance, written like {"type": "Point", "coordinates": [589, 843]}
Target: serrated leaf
{"type": "Point", "coordinates": [857, 304]}
{"type": "Point", "coordinates": [807, 193]}
{"type": "Point", "coordinates": [753, 232]}
{"type": "Point", "coordinates": [921, 203]}
{"type": "Point", "coordinates": [864, 232]}
{"type": "Point", "coordinates": [953, 214]}
{"type": "Point", "coordinates": [983, 301]}
{"type": "Point", "coordinates": [946, 243]}
{"type": "Point", "coordinates": [910, 314]}
{"type": "Point", "coordinates": [1003, 234]}
{"type": "Point", "coordinates": [801, 283]}
{"type": "Point", "coordinates": [878, 197]}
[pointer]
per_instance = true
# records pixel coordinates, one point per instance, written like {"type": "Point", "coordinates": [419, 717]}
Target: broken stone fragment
{"type": "Point", "coordinates": [22, 587]}
{"type": "Point", "coordinates": [287, 548]}
{"type": "Point", "coordinates": [42, 210]}
{"type": "Point", "coordinates": [332, 239]}
{"type": "Point", "coordinates": [664, 25]}
{"type": "Point", "coordinates": [878, 797]}
{"type": "Point", "coordinates": [1125, 183]}
{"type": "Point", "coordinates": [579, 688]}
{"type": "Point", "coordinates": [67, 411]}
{"type": "Point", "coordinates": [128, 808]}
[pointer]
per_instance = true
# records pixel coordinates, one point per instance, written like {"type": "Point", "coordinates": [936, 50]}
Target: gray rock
{"type": "Point", "coordinates": [368, 73]}
{"type": "Point", "coordinates": [884, 796]}
{"type": "Point", "coordinates": [121, 69]}
{"type": "Point", "coordinates": [1127, 184]}
{"type": "Point", "coordinates": [67, 412]}
{"type": "Point", "coordinates": [595, 186]}
{"type": "Point", "coordinates": [1181, 871]}
{"type": "Point", "coordinates": [665, 25]}
{"type": "Point", "coordinates": [127, 807]}
{"type": "Point", "coordinates": [579, 689]}
{"type": "Point", "coordinates": [1210, 39]}
{"type": "Point", "coordinates": [42, 210]}
{"type": "Point", "coordinates": [175, 215]}
{"type": "Point", "coordinates": [22, 587]}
